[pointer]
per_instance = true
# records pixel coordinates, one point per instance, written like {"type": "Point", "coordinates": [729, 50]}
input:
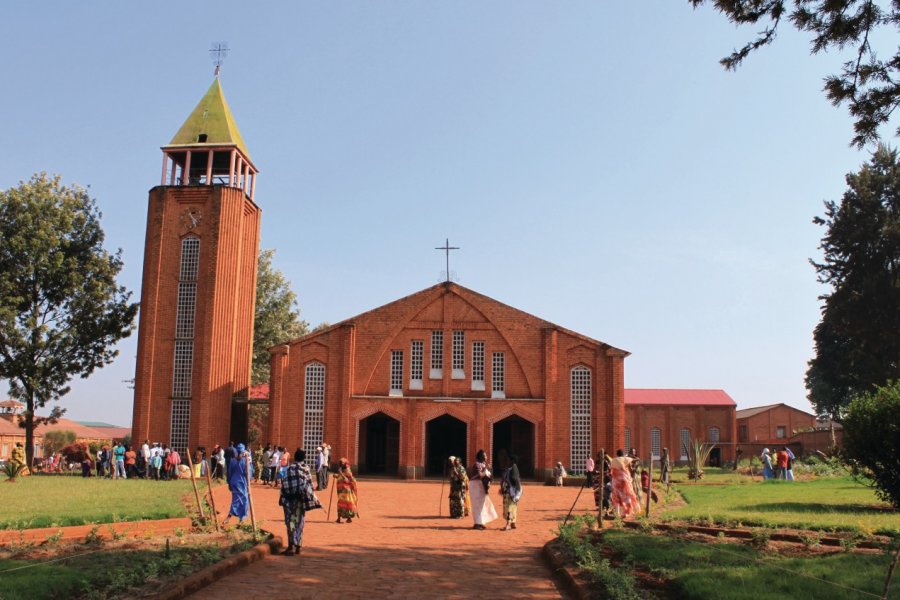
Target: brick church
{"type": "Point", "coordinates": [444, 371]}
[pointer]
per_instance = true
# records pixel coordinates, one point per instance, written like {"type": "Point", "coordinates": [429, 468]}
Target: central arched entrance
{"type": "Point", "coordinates": [379, 444]}
{"type": "Point", "coordinates": [445, 436]}
{"type": "Point", "coordinates": [514, 435]}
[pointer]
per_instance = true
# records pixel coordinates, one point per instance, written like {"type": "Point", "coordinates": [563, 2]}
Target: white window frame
{"type": "Point", "coordinates": [313, 407]}
{"type": "Point", "coordinates": [580, 399]}
{"type": "Point", "coordinates": [713, 434]}
{"type": "Point", "coordinates": [478, 366]}
{"type": "Point", "coordinates": [180, 424]}
{"type": "Point", "coordinates": [498, 375]}
{"type": "Point", "coordinates": [183, 369]}
{"type": "Point", "coordinates": [781, 432]}
{"type": "Point", "coordinates": [684, 443]}
{"type": "Point", "coordinates": [436, 370]}
{"type": "Point", "coordinates": [396, 373]}
{"type": "Point", "coordinates": [627, 438]}
{"type": "Point", "coordinates": [416, 364]}
{"type": "Point", "coordinates": [458, 358]}
{"type": "Point", "coordinates": [655, 443]}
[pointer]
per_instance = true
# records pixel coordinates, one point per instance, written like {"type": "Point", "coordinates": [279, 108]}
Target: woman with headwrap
{"type": "Point", "coordinates": [624, 499]}
{"type": "Point", "coordinates": [239, 474]}
{"type": "Point", "coordinates": [296, 499]}
{"type": "Point", "coordinates": [345, 484]}
{"type": "Point", "coordinates": [766, 459]}
{"type": "Point", "coordinates": [459, 488]}
{"type": "Point", "coordinates": [483, 510]}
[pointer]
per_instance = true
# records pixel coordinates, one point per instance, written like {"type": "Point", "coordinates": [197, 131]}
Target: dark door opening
{"type": "Point", "coordinates": [379, 444]}
{"type": "Point", "coordinates": [514, 435]}
{"type": "Point", "coordinates": [445, 436]}
{"type": "Point", "coordinates": [715, 457]}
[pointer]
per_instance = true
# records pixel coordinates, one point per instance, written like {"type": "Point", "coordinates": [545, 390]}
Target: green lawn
{"type": "Point", "coordinates": [58, 501]}
{"type": "Point", "coordinates": [733, 572]}
{"type": "Point", "coordinates": [109, 573]}
{"type": "Point", "coordinates": [838, 503]}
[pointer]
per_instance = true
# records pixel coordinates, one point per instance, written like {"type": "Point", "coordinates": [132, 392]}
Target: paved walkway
{"type": "Point", "coordinates": [400, 548]}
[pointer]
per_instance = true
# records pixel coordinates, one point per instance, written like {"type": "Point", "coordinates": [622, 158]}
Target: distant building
{"type": "Point", "coordinates": [672, 418]}
{"type": "Point", "coordinates": [772, 426]}
{"type": "Point", "coordinates": [11, 432]}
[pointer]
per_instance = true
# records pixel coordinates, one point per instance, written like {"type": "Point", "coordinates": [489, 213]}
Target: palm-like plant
{"type": "Point", "coordinates": [697, 457]}
{"type": "Point", "coordinates": [12, 470]}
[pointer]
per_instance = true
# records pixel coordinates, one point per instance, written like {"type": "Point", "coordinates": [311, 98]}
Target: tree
{"type": "Point", "coordinates": [61, 311]}
{"type": "Point", "coordinates": [871, 434]}
{"type": "Point", "coordinates": [54, 440]}
{"type": "Point", "coordinates": [868, 85]}
{"type": "Point", "coordinates": [277, 316]}
{"type": "Point", "coordinates": [858, 339]}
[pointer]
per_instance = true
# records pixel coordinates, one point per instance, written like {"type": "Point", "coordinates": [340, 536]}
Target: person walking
{"type": "Point", "coordinates": [131, 463]}
{"type": "Point", "coordinates": [172, 463]}
{"type": "Point", "coordinates": [321, 469]}
{"type": "Point", "coordinates": [145, 453]}
{"type": "Point", "coordinates": [219, 457]}
{"type": "Point", "coordinates": [297, 498]}
{"type": "Point", "coordinates": [559, 474]}
{"type": "Point", "coordinates": [483, 511]}
{"type": "Point", "coordinates": [347, 492]}
{"type": "Point", "coordinates": [767, 464]}
{"type": "Point", "coordinates": [459, 488]}
{"type": "Point", "coordinates": [789, 469]}
{"type": "Point", "coordinates": [511, 489]}
{"type": "Point", "coordinates": [589, 471]}
{"type": "Point", "coordinates": [240, 472]}
{"type": "Point", "coordinates": [266, 457]}
{"type": "Point", "coordinates": [624, 500]}
{"type": "Point", "coordinates": [665, 467]}
{"type": "Point", "coordinates": [274, 463]}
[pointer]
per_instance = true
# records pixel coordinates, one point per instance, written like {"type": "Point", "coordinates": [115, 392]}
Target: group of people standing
{"type": "Point", "coordinates": [781, 467]}
{"type": "Point", "coordinates": [469, 491]}
{"type": "Point", "coordinates": [620, 483]}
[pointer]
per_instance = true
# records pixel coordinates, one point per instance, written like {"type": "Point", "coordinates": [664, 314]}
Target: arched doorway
{"type": "Point", "coordinates": [514, 435]}
{"type": "Point", "coordinates": [379, 444]}
{"type": "Point", "coordinates": [445, 436]}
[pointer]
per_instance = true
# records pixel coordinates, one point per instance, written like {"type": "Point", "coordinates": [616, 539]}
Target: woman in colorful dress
{"type": "Point", "coordinates": [624, 499]}
{"type": "Point", "coordinates": [346, 492]}
{"type": "Point", "coordinates": [483, 511]}
{"type": "Point", "coordinates": [459, 489]}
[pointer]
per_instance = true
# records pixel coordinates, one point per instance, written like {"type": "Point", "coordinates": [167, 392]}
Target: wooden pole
{"type": "Point", "coordinates": [602, 484]}
{"type": "Point", "coordinates": [212, 500]}
{"type": "Point", "coordinates": [194, 483]}
{"type": "Point", "coordinates": [250, 498]}
{"type": "Point", "coordinates": [330, 497]}
{"type": "Point", "coordinates": [649, 485]}
{"type": "Point", "coordinates": [441, 501]}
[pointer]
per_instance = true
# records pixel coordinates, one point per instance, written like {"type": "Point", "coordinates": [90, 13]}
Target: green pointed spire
{"type": "Point", "coordinates": [213, 118]}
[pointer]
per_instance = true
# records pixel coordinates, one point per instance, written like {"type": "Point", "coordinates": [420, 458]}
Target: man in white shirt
{"type": "Point", "coordinates": [321, 469]}
{"type": "Point", "coordinates": [274, 464]}
{"type": "Point", "coordinates": [589, 470]}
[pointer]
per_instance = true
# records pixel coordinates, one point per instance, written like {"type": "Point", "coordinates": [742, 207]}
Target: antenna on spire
{"type": "Point", "coordinates": [218, 52]}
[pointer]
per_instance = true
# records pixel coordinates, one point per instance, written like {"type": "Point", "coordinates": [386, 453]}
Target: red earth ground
{"type": "Point", "coordinates": [400, 548]}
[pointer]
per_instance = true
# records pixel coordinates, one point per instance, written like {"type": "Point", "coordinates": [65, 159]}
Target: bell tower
{"type": "Point", "coordinates": [198, 291]}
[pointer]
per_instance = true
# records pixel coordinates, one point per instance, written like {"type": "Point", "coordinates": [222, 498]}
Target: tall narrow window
{"type": "Point", "coordinates": [459, 355]}
{"type": "Point", "coordinates": [713, 435]}
{"type": "Point", "coordinates": [313, 407]}
{"type": "Point", "coordinates": [685, 436]}
{"type": "Point", "coordinates": [396, 373]}
{"type": "Point", "coordinates": [478, 366]}
{"type": "Point", "coordinates": [416, 364]}
{"type": "Point", "coordinates": [183, 361]}
{"type": "Point", "coordinates": [580, 407]}
{"type": "Point", "coordinates": [437, 355]}
{"type": "Point", "coordinates": [498, 375]}
{"type": "Point", "coordinates": [627, 438]}
{"type": "Point", "coordinates": [655, 444]}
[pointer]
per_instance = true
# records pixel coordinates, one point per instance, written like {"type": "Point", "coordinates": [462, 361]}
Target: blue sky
{"type": "Point", "coordinates": [595, 163]}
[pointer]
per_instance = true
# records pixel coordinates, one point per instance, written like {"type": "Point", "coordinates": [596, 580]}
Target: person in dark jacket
{"type": "Point", "coordinates": [511, 488]}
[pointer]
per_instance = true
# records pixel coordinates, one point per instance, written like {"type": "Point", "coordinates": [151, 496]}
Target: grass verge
{"type": "Point", "coordinates": [60, 501]}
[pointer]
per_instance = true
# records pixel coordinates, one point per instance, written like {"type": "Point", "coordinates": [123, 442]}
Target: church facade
{"type": "Point", "coordinates": [447, 371]}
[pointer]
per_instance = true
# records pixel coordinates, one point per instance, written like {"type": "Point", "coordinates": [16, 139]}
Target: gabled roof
{"type": "Point", "coordinates": [212, 117]}
{"type": "Point", "coordinates": [678, 397]}
{"type": "Point", "coordinates": [750, 412]}
{"type": "Point", "coordinates": [454, 288]}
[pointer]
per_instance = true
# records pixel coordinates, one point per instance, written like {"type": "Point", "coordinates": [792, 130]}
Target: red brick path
{"type": "Point", "coordinates": [399, 548]}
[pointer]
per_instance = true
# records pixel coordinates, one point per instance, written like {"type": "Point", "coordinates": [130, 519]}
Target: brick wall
{"type": "Point", "coordinates": [671, 420]}
{"type": "Point", "coordinates": [539, 357]}
{"type": "Point", "coordinates": [762, 428]}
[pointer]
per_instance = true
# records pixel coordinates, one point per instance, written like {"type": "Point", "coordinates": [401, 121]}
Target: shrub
{"type": "Point", "coordinates": [12, 470]}
{"type": "Point", "coordinates": [75, 453]}
{"type": "Point", "coordinates": [872, 439]}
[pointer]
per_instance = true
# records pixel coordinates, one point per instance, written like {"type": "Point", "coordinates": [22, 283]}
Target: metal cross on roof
{"type": "Point", "coordinates": [447, 248]}
{"type": "Point", "coordinates": [219, 51]}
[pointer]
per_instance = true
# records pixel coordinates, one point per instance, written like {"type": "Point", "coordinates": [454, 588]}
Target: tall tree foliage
{"type": "Point", "coordinates": [872, 439]}
{"type": "Point", "coordinates": [867, 84]}
{"type": "Point", "coordinates": [858, 338]}
{"type": "Point", "coordinates": [61, 311]}
{"type": "Point", "coordinates": [277, 314]}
